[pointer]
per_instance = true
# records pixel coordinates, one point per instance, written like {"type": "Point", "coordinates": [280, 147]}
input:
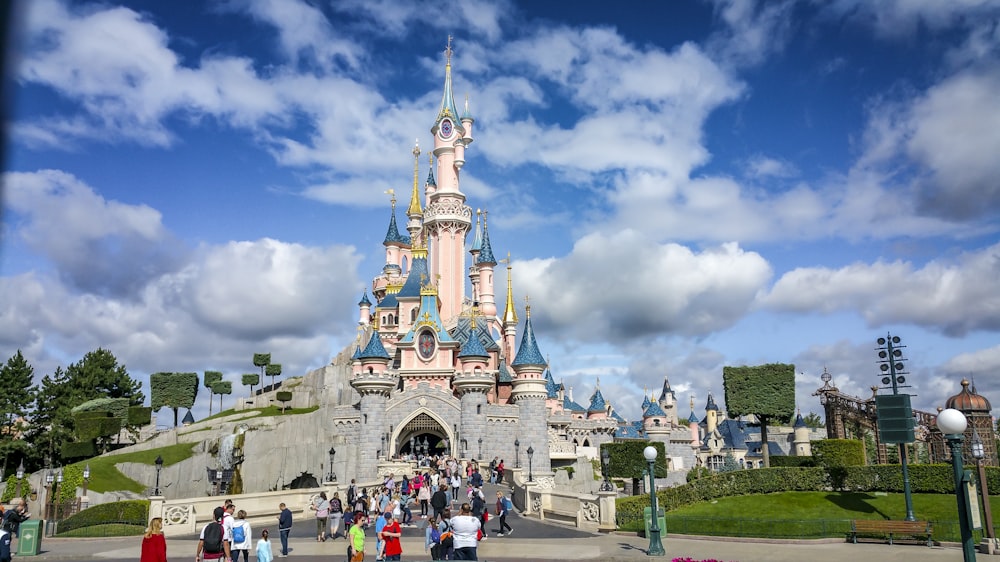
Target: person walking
{"type": "Point", "coordinates": [322, 508]}
{"type": "Point", "coordinates": [264, 552]}
{"type": "Point", "coordinates": [500, 472]}
{"type": "Point", "coordinates": [380, 522]}
{"type": "Point", "coordinates": [424, 497]}
{"type": "Point", "coordinates": [336, 515]}
{"type": "Point", "coordinates": [242, 537]}
{"type": "Point", "coordinates": [154, 545]}
{"type": "Point", "coordinates": [456, 484]}
{"type": "Point", "coordinates": [284, 528]}
{"type": "Point", "coordinates": [356, 538]}
{"type": "Point", "coordinates": [214, 540]}
{"type": "Point", "coordinates": [479, 509]}
{"type": "Point", "coordinates": [392, 547]}
{"type": "Point", "coordinates": [466, 529]}
{"type": "Point", "coordinates": [440, 500]}
{"type": "Point", "coordinates": [432, 538]}
{"type": "Point", "coordinates": [502, 508]}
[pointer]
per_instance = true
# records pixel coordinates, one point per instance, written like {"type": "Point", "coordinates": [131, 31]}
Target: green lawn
{"type": "Point", "coordinates": [105, 530]}
{"type": "Point", "coordinates": [105, 477]}
{"type": "Point", "coordinates": [258, 412]}
{"type": "Point", "coordinates": [808, 514]}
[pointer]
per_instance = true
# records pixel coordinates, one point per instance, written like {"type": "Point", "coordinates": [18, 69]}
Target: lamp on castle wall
{"type": "Point", "coordinates": [332, 477]}
{"type": "Point", "coordinates": [159, 466]}
{"type": "Point", "coordinates": [480, 447]}
{"type": "Point", "coordinates": [531, 452]}
{"type": "Point", "coordinates": [606, 485]}
{"type": "Point", "coordinates": [517, 453]}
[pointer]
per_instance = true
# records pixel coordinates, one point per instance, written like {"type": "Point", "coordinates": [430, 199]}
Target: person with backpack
{"type": "Point", "coordinates": [504, 506]}
{"type": "Point", "coordinates": [322, 508]}
{"type": "Point", "coordinates": [12, 518]}
{"type": "Point", "coordinates": [439, 500]}
{"type": "Point", "coordinates": [242, 537]}
{"type": "Point", "coordinates": [336, 515]}
{"type": "Point", "coordinates": [5, 552]}
{"type": "Point", "coordinates": [284, 527]}
{"type": "Point", "coordinates": [432, 538]}
{"type": "Point", "coordinates": [466, 534]}
{"type": "Point", "coordinates": [213, 542]}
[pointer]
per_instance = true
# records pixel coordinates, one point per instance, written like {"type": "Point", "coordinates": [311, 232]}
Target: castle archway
{"type": "Point", "coordinates": [423, 433]}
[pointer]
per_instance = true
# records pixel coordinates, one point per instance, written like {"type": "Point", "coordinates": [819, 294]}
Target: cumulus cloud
{"type": "Point", "coordinates": [895, 18]}
{"type": "Point", "coordinates": [953, 295]}
{"type": "Point", "coordinates": [623, 286]}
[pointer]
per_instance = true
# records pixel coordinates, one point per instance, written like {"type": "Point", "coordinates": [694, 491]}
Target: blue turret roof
{"type": "Point", "coordinates": [374, 349]}
{"type": "Point", "coordinates": [711, 403]}
{"type": "Point", "coordinates": [388, 301]}
{"type": "Point", "coordinates": [597, 403]}
{"type": "Point", "coordinates": [572, 406]}
{"type": "Point", "coordinates": [645, 402]}
{"type": "Point", "coordinates": [486, 251]}
{"type": "Point", "coordinates": [417, 275]}
{"type": "Point", "coordinates": [666, 390]}
{"type": "Point", "coordinates": [189, 419]}
{"type": "Point", "coordinates": [430, 177]}
{"type": "Point", "coordinates": [550, 385]}
{"type": "Point", "coordinates": [503, 373]}
{"type": "Point", "coordinates": [392, 236]}
{"type": "Point", "coordinates": [627, 432]}
{"type": "Point", "coordinates": [448, 108]}
{"type": "Point", "coordinates": [365, 301]}
{"type": "Point", "coordinates": [616, 416]}
{"type": "Point", "coordinates": [527, 353]}
{"type": "Point", "coordinates": [654, 410]}
{"type": "Point", "coordinates": [472, 346]}
{"type": "Point", "coordinates": [692, 418]}
{"type": "Point", "coordinates": [799, 422]}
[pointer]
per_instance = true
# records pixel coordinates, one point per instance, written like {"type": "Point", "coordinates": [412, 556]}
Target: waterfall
{"type": "Point", "coordinates": [226, 451]}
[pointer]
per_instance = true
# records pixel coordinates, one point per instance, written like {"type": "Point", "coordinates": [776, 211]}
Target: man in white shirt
{"type": "Point", "coordinates": [466, 534]}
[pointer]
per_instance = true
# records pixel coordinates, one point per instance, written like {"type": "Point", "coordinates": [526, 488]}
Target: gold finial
{"type": "Point", "coordinates": [415, 208]}
{"type": "Point", "coordinates": [692, 402]}
{"type": "Point", "coordinates": [527, 306]}
{"type": "Point", "coordinates": [416, 148]}
{"type": "Point", "coordinates": [448, 51]}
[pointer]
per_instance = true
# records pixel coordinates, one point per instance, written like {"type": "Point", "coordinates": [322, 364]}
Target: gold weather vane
{"type": "Point", "coordinates": [392, 196]}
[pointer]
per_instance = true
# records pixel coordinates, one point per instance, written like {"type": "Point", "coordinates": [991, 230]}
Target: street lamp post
{"type": "Point", "coordinates": [655, 546]}
{"type": "Point", "coordinates": [55, 494]}
{"type": "Point", "coordinates": [49, 479]}
{"type": "Point", "coordinates": [480, 448]}
{"type": "Point", "coordinates": [606, 485]}
{"type": "Point", "coordinates": [20, 475]}
{"type": "Point", "coordinates": [952, 424]}
{"type": "Point", "coordinates": [979, 452]}
{"type": "Point", "coordinates": [86, 481]}
{"type": "Point", "coordinates": [517, 453]}
{"type": "Point", "coordinates": [159, 466]}
{"type": "Point", "coordinates": [333, 475]}
{"type": "Point", "coordinates": [530, 452]}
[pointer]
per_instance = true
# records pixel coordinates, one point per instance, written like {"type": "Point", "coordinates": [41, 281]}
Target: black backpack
{"type": "Point", "coordinates": [213, 538]}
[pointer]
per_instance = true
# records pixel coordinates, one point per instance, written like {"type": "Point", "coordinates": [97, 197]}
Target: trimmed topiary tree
{"type": "Point", "coordinates": [210, 378]}
{"type": "Point", "coordinates": [764, 391]}
{"type": "Point", "coordinates": [283, 396]}
{"type": "Point", "coordinates": [173, 390]}
{"type": "Point", "coordinates": [273, 370]}
{"type": "Point", "coordinates": [251, 380]}
{"type": "Point", "coordinates": [626, 460]}
{"type": "Point", "coordinates": [261, 360]}
{"type": "Point", "coordinates": [220, 388]}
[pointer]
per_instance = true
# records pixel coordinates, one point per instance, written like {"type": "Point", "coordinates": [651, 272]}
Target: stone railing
{"type": "Point", "coordinates": [539, 498]}
{"type": "Point", "coordinates": [187, 516]}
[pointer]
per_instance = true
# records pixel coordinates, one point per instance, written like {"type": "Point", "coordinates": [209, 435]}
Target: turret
{"type": "Point", "coordinates": [510, 320]}
{"type": "Point", "coordinates": [374, 382]}
{"type": "Point", "coordinates": [801, 443]}
{"type": "Point", "coordinates": [711, 415]}
{"type": "Point", "coordinates": [415, 212]}
{"type": "Point", "coordinates": [485, 263]}
{"type": "Point", "coordinates": [472, 383]}
{"type": "Point", "coordinates": [394, 242]}
{"type": "Point", "coordinates": [365, 314]}
{"type": "Point", "coordinates": [529, 393]}
{"type": "Point", "coordinates": [598, 409]}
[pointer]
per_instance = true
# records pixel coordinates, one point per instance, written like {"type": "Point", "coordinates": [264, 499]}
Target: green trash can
{"type": "Point", "coordinates": [648, 520]}
{"type": "Point", "coordinates": [29, 540]}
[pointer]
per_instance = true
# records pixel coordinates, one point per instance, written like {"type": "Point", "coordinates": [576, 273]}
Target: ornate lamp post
{"type": "Point", "coordinates": [952, 424]}
{"type": "Point", "coordinates": [979, 452]}
{"type": "Point", "coordinates": [517, 453]}
{"type": "Point", "coordinates": [55, 494]}
{"type": "Point", "coordinates": [333, 475]}
{"type": "Point", "coordinates": [413, 444]}
{"type": "Point", "coordinates": [480, 447]}
{"type": "Point", "coordinates": [655, 546]}
{"type": "Point", "coordinates": [530, 452]}
{"type": "Point", "coordinates": [383, 446]}
{"type": "Point", "coordinates": [49, 479]}
{"type": "Point", "coordinates": [20, 475]}
{"type": "Point", "coordinates": [606, 485]}
{"type": "Point", "coordinates": [159, 466]}
{"type": "Point", "coordinates": [86, 481]}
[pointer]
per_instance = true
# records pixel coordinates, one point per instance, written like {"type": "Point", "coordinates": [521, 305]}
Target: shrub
{"type": "Point", "coordinates": [786, 461]}
{"type": "Point", "coordinates": [132, 512]}
{"type": "Point", "coordinates": [839, 452]}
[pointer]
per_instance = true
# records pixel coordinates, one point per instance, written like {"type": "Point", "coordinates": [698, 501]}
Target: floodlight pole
{"type": "Point", "coordinates": [893, 354]}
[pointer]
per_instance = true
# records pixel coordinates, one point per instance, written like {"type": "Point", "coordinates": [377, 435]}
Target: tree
{"type": "Point", "coordinates": [251, 379]}
{"type": "Point", "coordinates": [16, 395]}
{"type": "Point", "coordinates": [813, 421]}
{"type": "Point", "coordinates": [626, 460]}
{"type": "Point", "coordinates": [173, 390]}
{"type": "Point", "coordinates": [764, 391]}
{"type": "Point", "coordinates": [729, 463]}
{"type": "Point", "coordinates": [52, 422]}
{"type": "Point", "coordinates": [210, 378]}
{"type": "Point", "coordinates": [261, 360]}
{"type": "Point", "coordinates": [283, 396]}
{"type": "Point", "coordinates": [220, 388]}
{"type": "Point", "coordinates": [273, 370]}
{"type": "Point", "coordinates": [98, 375]}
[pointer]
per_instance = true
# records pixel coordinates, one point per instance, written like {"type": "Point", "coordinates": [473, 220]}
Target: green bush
{"type": "Point", "coordinates": [627, 461]}
{"type": "Point", "coordinates": [140, 415]}
{"type": "Point", "coordinates": [130, 512]}
{"type": "Point", "coordinates": [786, 461]}
{"type": "Point", "coordinates": [80, 449]}
{"type": "Point", "coordinates": [839, 452]}
{"type": "Point", "coordinates": [698, 472]}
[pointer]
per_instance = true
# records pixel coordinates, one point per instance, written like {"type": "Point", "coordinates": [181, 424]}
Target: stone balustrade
{"type": "Point", "coordinates": [539, 498]}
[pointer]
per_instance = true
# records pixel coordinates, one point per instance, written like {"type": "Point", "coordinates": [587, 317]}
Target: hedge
{"type": "Point", "coordinates": [626, 459]}
{"type": "Point", "coordinates": [134, 512]}
{"type": "Point", "coordinates": [924, 478]}
{"type": "Point", "coordinates": [78, 449]}
{"type": "Point", "coordinates": [839, 452]}
{"type": "Point", "coordinates": [786, 461]}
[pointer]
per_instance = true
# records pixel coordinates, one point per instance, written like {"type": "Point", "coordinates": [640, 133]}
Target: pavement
{"type": "Point", "coordinates": [533, 540]}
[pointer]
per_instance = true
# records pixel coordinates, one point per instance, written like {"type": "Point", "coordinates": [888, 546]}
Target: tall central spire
{"type": "Point", "coordinates": [448, 108]}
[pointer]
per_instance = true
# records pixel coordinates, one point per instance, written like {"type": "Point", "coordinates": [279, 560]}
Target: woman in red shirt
{"type": "Point", "coordinates": [154, 546]}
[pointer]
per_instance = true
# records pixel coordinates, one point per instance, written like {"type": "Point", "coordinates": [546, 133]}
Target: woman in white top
{"type": "Point", "coordinates": [241, 530]}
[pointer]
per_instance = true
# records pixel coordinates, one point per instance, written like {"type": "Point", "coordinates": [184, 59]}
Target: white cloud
{"type": "Point", "coordinates": [896, 18]}
{"type": "Point", "coordinates": [624, 286]}
{"type": "Point", "coordinates": [953, 296]}
{"type": "Point", "coordinates": [754, 30]}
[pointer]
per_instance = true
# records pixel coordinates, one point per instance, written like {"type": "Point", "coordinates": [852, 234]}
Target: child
{"type": "Point", "coordinates": [264, 553]}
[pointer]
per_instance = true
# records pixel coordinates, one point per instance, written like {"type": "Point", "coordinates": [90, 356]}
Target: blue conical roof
{"type": "Point", "coordinates": [572, 406]}
{"type": "Point", "coordinates": [392, 236]}
{"type": "Point", "coordinates": [799, 422]}
{"type": "Point", "coordinates": [486, 251]}
{"type": "Point", "coordinates": [645, 402]}
{"type": "Point", "coordinates": [430, 177]}
{"type": "Point", "coordinates": [188, 418]}
{"type": "Point", "coordinates": [692, 418]}
{"type": "Point", "coordinates": [389, 301]}
{"type": "Point", "coordinates": [528, 353]}
{"type": "Point", "coordinates": [374, 349]}
{"type": "Point", "coordinates": [473, 347]}
{"type": "Point", "coordinates": [654, 410]}
{"type": "Point", "coordinates": [666, 390]}
{"type": "Point", "coordinates": [418, 274]}
{"type": "Point", "coordinates": [550, 385]}
{"type": "Point", "coordinates": [711, 403]}
{"type": "Point", "coordinates": [365, 301]}
{"type": "Point", "coordinates": [597, 403]}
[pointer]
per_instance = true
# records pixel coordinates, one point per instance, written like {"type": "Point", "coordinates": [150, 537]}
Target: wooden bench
{"type": "Point", "coordinates": [885, 527]}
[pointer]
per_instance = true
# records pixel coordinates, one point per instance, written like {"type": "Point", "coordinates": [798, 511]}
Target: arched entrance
{"type": "Point", "coordinates": [422, 435]}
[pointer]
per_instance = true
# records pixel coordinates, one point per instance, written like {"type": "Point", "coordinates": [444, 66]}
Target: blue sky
{"type": "Point", "coordinates": [681, 185]}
